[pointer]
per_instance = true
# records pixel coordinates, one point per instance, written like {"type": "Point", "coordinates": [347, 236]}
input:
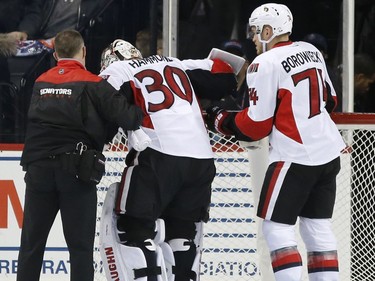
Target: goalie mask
{"type": "Point", "coordinates": [118, 50]}
{"type": "Point", "coordinates": [277, 16]}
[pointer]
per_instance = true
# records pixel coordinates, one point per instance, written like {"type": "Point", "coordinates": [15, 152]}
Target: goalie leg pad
{"type": "Point", "coordinates": [198, 240]}
{"type": "Point", "coordinates": [183, 249]}
{"type": "Point", "coordinates": [142, 263]}
{"type": "Point", "coordinates": [134, 260]}
{"type": "Point", "coordinates": [184, 252]}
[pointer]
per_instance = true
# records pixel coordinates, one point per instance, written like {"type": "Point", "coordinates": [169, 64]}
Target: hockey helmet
{"type": "Point", "coordinates": [118, 50]}
{"type": "Point", "coordinates": [277, 16]}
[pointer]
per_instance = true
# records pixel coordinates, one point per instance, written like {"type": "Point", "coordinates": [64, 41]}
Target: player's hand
{"type": "Point", "coordinates": [214, 110]}
{"type": "Point", "coordinates": [18, 35]}
{"type": "Point", "coordinates": [219, 117]}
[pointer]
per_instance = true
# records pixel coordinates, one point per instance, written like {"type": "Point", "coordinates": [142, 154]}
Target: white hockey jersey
{"type": "Point", "coordinates": [289, 88]}
{"type": "Point", "coordinates": [162, 88]}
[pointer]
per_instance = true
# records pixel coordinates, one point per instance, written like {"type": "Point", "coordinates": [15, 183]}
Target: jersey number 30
{"type": "Point", "coordinates": [169, 89]}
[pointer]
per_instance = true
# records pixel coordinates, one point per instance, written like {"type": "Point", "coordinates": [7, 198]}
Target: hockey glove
{"type": "Point", "coordinates": [221, 118]}
{"type": "Point", "coordinates": [223, 123]}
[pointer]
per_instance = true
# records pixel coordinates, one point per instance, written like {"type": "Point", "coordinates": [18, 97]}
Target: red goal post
{"type": "Point", "coordinates": [233, 246]}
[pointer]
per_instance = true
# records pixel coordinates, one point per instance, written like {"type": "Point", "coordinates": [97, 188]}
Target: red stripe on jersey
{"type": "Point", "coordinates": [120, 191]}
{"type": "Point", "coordinates": [253, 129]}
{"type": "Point", "coordinates": [220, 66]}
{"type": "Point", "coordinates": [322, 261]}
{"type": "Point", "coordinates": [284, 120]}
{"type": "Point", "coordinates": [271, 187]}
{"type": "Point", "coordinates": [140, 101]}
{"type": "Point", "coordinates": [285, 258]}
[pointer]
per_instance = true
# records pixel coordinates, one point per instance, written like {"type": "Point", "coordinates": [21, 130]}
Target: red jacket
{"type": "Point", "coordinates": [69, 105]}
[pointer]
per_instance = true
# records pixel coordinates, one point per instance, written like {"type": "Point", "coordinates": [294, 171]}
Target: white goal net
{"type": "Point", "coordinates": [231, 250]}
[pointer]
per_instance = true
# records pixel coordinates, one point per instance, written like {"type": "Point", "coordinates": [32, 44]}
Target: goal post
{"type": "Point", "coordinates": [357, 178]}
{"type": "Point", "coordinates": [233, 248]}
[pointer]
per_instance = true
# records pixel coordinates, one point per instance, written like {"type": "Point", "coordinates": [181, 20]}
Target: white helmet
{"type": "Point", "coordinates": [277, 16]}
{"type": "Point", "coordinates": [119, 50]}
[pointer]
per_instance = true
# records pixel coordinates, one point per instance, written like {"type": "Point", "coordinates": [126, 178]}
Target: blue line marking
{"type": "Point", "coordinates": [232, 205]}
{"type": "Point", "coordinates": [8, 158]}
{"type": "Point", "coordinates": [229, 235]}
{"type": "Point", "coordinates": [231, 189]}
{"type": "Point", "coordinates": [232, 160]}
{"type": "Point", "coordinates": [229, 250]}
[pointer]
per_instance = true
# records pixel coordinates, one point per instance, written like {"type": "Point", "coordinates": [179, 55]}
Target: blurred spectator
{"type": "Point", "coordinates": [7, 48]}
{"type": "Point", "coordinates": [143, 41]}
{"type": "Point", "coordinates": [11, 12]}
{"type": "Point", "coordinates": [364, 78]}
{"type": "Point", "coordinates": [320, 42]}
{"type": "Point", "coordinates": [365, 27]}
{"type": "Point", "coordinates": [43, 19]}
{"type": "Point", "coordinates": [99, 22]}
{"type": "Point", "coordinates": [364, 43]}
{"type": "Point", "coordinates": [204, 24]}
{"type": "Point", "coordinates": [234, 47]}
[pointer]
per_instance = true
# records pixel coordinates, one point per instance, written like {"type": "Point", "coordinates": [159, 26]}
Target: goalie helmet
{"type": "Point", "coordinates": [277, 16]}
{"type": "Point", "coordinates": [118, 50]}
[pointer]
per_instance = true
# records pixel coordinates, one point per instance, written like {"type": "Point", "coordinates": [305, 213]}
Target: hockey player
{"type": "Point", "coordinates": [155, 232]}
{"type": "Point", "coordinates": [291, 96]}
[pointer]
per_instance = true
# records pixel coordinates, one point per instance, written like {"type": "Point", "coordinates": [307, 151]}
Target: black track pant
{"type": "Point", "coordinates": [49, 190]}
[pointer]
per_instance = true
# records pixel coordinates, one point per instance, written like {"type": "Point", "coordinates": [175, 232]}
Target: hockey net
{"type": "Point", "coordinates": [231, 248]}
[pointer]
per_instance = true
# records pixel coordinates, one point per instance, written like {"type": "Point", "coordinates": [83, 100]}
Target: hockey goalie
{"type": "Point", "coordinates": [151, 226]}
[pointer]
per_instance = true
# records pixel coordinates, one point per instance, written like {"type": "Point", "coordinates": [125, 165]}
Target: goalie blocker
{"type": "Point", "coordinates": [154, 259]}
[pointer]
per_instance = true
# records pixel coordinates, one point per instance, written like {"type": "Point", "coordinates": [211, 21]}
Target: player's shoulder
{"type": "Point", "coordinates": [265, 59]}
{"type": "Point", "coordinates": [304, 44]}
{"type": "Point", "coordinates": [281, 49]}
{"type": "Point", "coordinates": [289, 49]}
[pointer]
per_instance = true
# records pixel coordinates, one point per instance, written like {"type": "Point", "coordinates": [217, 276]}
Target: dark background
{"type": "Point", "coordinates": [203, 24]}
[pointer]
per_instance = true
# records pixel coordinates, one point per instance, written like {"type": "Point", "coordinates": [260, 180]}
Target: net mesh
{"type": "Point", "coordinates": [363, 205]}
{"type": "Point", "coordinates": [230, 245]}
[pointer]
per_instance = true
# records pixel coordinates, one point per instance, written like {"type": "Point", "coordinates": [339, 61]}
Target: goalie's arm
{"type": "Point", "coordinates": [211, 79]}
